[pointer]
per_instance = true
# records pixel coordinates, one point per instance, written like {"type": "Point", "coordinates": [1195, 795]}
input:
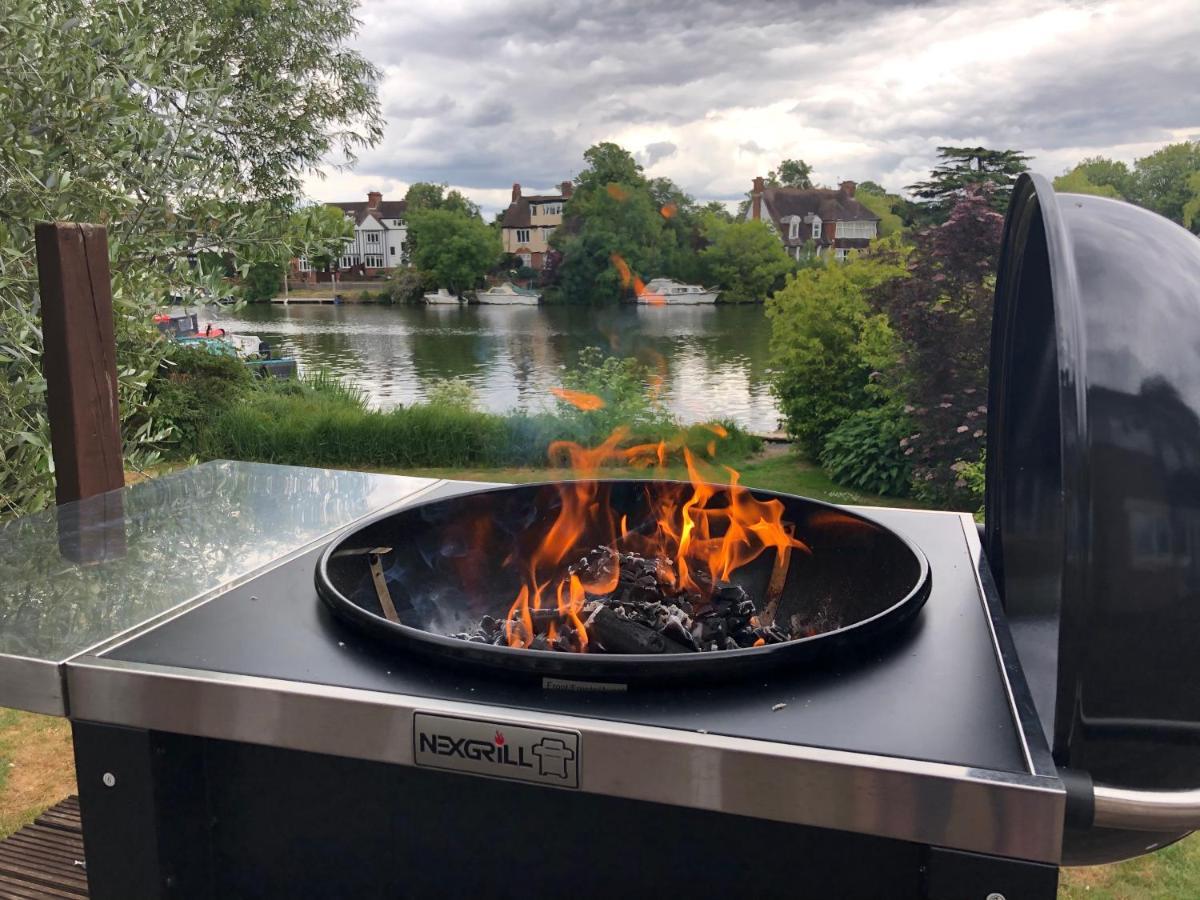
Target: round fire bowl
{"type": "Point", "coordinates": [451, 561]}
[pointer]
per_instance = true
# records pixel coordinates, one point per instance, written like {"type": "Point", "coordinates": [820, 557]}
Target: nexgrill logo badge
{"type": "Point", "coordinates": [479, 747]}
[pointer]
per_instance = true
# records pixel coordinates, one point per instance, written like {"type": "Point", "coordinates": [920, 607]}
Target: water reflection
{"type": "Point", "coordinates": [714, 359]}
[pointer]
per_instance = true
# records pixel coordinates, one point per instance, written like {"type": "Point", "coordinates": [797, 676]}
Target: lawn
{"type": "Point", "coordinates": [36, 765]}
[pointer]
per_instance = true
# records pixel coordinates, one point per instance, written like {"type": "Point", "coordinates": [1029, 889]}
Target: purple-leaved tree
{"type": "Point", "coordinates": [943, 316]}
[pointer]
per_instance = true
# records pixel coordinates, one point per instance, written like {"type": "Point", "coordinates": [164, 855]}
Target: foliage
{"type": "Point", "coordinates": [744, 259]}
{"type": "Point", "coordinates": [454, 248]}
{"type": "Point", "coordinates": [190, 387]}
{"type": "Point", "coordinates": [826, 342]}
{"type": "Point", "coordinates": [792, 173]}
{"type": "Point", "coordinates": [262, 281]}
{"type": "Point", "coordinates": [184, 129]}
{"type": "Point", "coordinates": [316, 424]}
{"type": "Point", "coordinates": [1191, 209]}
{"type": "Point", "coordinates": [453, 392]}
{"type": "Point", "coordinates": [625, 387]}
{"type": "Point", "coordinates": [864, 451]}
{"type": "Point", "coordinates": [962, 168]}
{"type": "Point", "coordinates": [972, 480]}
{"type": "Point", "coordinates": [423, 195]}
{"type": "Point", "coordinates": [942, 314]}
{"type": "Point", "coordinates": [883, 204]}
{"type": "Point", "coordinates": [407, 285]}
{"type": "Point", "coordinates": [1162, 180]}
{"type": "Point", "coordinates": [610, 216]}
{"type": "Point", "coordinates": [1077, 181]}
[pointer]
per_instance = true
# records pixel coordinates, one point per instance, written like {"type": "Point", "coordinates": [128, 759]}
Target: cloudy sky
{"type": "Point", "coordinates": [481, 93]}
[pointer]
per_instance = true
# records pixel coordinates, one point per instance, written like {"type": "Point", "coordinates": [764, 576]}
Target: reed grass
{"type": "Point", "coordinates": [324, 423]}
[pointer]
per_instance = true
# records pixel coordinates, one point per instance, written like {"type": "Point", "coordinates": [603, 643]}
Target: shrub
{"type": "Point", "coordinates": [262, 282]}
{"type": "Point", "coordinates": [364, 297]}
{"type": "Point", "coordinates": [826, 343]}
{"type": "Point", "coordinates": [972, 481]}
{"type": "Point", "coordinates": [191, 388]}
{"type": "Point", "coordinates": [406, 285]}
{"type": "Point", "coordinates": [865, 451]}
{"type": "Point", "coordinates": [452, 392]}
{"type": "Point", "coordinates": [626, 388]}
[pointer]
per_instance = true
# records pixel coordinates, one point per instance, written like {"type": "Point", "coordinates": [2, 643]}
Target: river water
{"type": "Point", "coordinates": [713, 358]}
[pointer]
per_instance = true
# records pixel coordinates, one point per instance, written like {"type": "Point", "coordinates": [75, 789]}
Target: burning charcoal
{"type": "Point", "coordinates": [675, 630]}
{"type": "Point", "coordinates": [488, 625]}
{"type": "Point", "coordinates": [617, 635]}
{"type": "Point", "coordinates": [730, 593]}
{"type": "Point", "coordinates": [540, 642]}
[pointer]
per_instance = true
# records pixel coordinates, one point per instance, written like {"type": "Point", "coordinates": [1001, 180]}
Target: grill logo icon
{"type": "Point", "coordinates": [479, 747]}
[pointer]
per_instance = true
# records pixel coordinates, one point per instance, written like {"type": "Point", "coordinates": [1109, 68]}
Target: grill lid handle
{"type": "Point", "coordinates": [1135, 810]}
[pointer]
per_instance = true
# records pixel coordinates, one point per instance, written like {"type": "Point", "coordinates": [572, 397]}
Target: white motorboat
{"type": "Point", "coordinates": [508, 295]}
{"type": "Point", "coordinates": [665, 292]}
{"type": "Point", "coordinates": [442, 298]}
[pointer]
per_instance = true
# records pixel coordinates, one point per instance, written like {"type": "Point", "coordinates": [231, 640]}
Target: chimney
{"type": "Point", "coordinates": [756, 199]}
{"type": "Point", "coordinates": [848, 188]}
{"type": "Point", "coordinates": [374, 198]}
{"type": "Point", "coordinates": [516, 192]}
{"type": "Point", "coordinates": [566, 187]}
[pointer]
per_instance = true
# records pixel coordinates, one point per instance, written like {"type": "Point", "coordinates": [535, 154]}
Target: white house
{"type": "Point", "coordinates": [380, 240]}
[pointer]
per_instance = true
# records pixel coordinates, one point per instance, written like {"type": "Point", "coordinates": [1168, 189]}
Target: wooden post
{"type": "Point", "coordinates": [79, 359]}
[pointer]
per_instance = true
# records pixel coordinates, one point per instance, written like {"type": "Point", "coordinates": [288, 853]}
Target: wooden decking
{"type": "Point", "coordinates": [45, 859]}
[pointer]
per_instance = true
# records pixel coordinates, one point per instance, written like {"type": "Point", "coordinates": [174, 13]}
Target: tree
{"type": "Point", "coordinates": [456, 249]}
{"type": "Point", "coordinates": [883, 204]}
{"type": "Point", "coordinates": [792, 173]}
{"type": "Point", "coordinates": [966, 167]}
{"type": "Point", "coordinates": [182, 129]}
{"type": "Point", "coordinates": [718, 209]}
{"type": "Point", "coordinates": [744, 259]}
{"type": "Point", "coordinates": [1191, 209]}
{"type": "Point", "coordinates": [1161, 180]}
{"type": "Point", "coordinates": [942, 313]}
{"type": "Point", "coordinates": [1102, 172]}
{"type": "Point", "coordinates": [611, 229]}
{"type": "Point", "coordinates": [262, 281]}
{"type": "Point", "coordinates": [1077, 181]}
{"type": "Point", "coordinates": [424, 195]}
{"type": "Point", "coordinates": [826, 341]}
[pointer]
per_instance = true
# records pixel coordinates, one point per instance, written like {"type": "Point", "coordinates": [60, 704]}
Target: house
{"type": "Point", "coordinates": [814, 221]}
{"type": "Point", "coordinates": [379, 243]}
{"type": "Point", "coordinates": [529, 221]}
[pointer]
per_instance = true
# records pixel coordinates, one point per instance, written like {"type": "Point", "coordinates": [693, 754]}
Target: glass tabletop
{"type": "Point", "coordinates": [84, 572]}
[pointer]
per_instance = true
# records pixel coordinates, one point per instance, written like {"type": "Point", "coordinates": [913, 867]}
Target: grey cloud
{"type": "Point", "coordinates": [523, 89]}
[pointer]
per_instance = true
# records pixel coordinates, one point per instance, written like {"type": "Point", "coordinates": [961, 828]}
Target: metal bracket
{"type": "Point", "coordinates": [381, 585]}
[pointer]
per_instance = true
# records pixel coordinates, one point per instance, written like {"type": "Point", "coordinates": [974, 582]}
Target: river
{"type": "Point", "coordinates": [714, 358]}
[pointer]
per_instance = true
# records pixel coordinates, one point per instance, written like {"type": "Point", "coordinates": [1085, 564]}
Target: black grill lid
{"type": "Point", "coordinates": [1093, 479]}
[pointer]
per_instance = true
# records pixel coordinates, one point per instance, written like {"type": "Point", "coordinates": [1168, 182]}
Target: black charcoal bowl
{"type": "Point", "coordinates": [447, 566]}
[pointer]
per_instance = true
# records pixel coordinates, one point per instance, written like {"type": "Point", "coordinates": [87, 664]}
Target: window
{"type": "Point", "coordinates": [533, 209]}
{"type": "Point", "coordinates": [526, 259]}
{"type": "Point", "coordinates": [855, 229]}
{"type": "Point", "coordinates": [816, 231]}
{"type": "Point", "coordinates": [522, 235]}
{"type": "Point", "coordinates": [841, 253]}
{"type": "Point", "coordinates": [372, 237]}
{"type": "Point", "coordinates": [552, 209]}
{"type": "Point", "coordinates": [374, 260]}
{"type": "Point", "coordinates": [546, 232]}
{"type": "Point", "coordinates": [793, 229]}
{"type": "Point", "coordinates": [392, 251]}
{"type": "Point", "coordinates": [302, 265]}
{"type": "Point", "coordinates": [349, 261]}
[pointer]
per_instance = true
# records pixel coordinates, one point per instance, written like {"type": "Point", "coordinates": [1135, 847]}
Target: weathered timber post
{"type": "Point", "coordinates": [79, 362]}
{"type": "Point", "coordinates": [79, 359]}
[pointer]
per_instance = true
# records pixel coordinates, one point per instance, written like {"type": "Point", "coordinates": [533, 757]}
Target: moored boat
{"type": "Point", "coordinates": [666, 292]}
{"type": "Point", "coordinates": [442, 297]}
{"type": "Point", "coordinates": [508, 295]}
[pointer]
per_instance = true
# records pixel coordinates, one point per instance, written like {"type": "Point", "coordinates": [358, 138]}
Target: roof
{"type": "Point", "coordinates": [832, 205]}
{"type": "Point", "coordinates": [388, 209]}
{"type": "Point", "coordinates": [517, 215]}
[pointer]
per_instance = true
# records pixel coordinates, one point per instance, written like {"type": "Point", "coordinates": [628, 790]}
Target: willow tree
{"type": "Point", "coordinates": [184, 128]}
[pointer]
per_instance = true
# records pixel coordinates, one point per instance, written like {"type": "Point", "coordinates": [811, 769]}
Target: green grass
{"type": "Point", "coordinates": [1166, 875]}
{"type": "Point", "coordinates": [778, 472]}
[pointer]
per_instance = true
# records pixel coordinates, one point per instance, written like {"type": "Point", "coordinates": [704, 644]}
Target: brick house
{"type": "Point", "coordinates": [530, 220]}
{"type": "Point", "coordinates": [814, 221]}
{"type": "Point", "coordinates": [379, 242]}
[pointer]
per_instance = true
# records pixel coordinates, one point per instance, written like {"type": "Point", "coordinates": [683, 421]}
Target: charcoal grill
{"type": "Point", "coordinates": [447, 563]}
{"type": "Point", "coordinates": [238, 735]}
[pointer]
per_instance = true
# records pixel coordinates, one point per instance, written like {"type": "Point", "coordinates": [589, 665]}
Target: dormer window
{"type": "Point", "coordinates": [793, 229]}
{"type": "Point", "coordinates": [816, 228]}
{"type": "Point", "coordinates": [533, 209]}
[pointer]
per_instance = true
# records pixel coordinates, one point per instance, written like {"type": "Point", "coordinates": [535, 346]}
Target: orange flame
{"type": "Point", "coordinates": [669, 210]}
{"type": "Point", "coordinates": [707, 531]}
{"type": "Point", "coordinates": [622, 268]}
{"type": "Point", "coordinates": [578, 399]}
